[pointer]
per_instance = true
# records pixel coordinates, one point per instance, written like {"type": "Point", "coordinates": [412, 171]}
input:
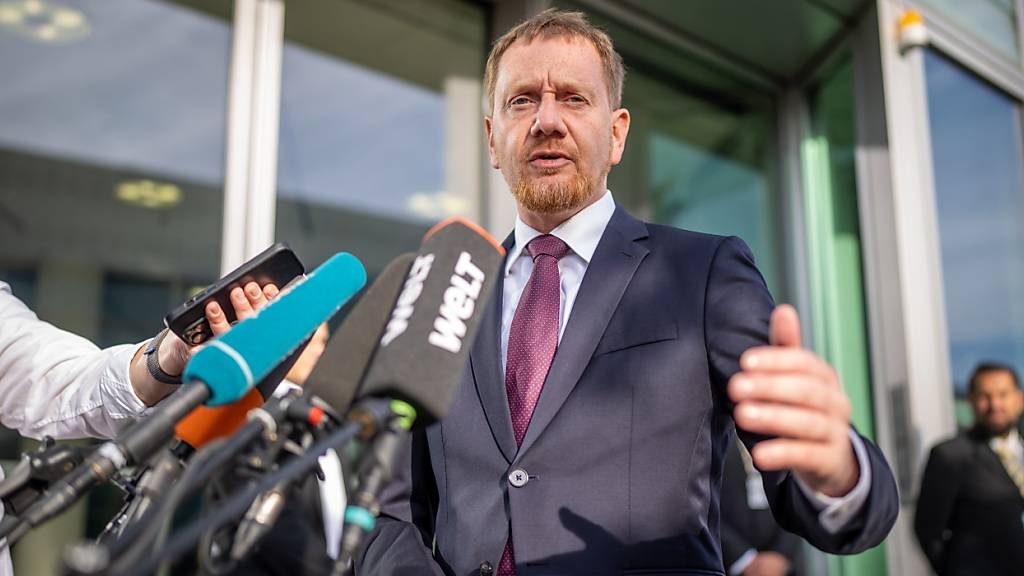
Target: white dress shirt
{"type": "Point", "coordinates": [55, 383]}
{"type": "Point", "coordinates": [582, 233]}
{"type": "Point", "coordinates": [1012, 442]}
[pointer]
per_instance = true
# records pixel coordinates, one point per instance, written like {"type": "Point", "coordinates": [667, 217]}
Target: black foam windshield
{"type": "Point", "coordinates": [341, 367]}
{"type": "Point", "coordinates": [433, 324]}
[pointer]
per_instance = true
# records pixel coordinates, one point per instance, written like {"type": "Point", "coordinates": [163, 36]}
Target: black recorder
{"type": "Point", "coordinates": [277, 265]}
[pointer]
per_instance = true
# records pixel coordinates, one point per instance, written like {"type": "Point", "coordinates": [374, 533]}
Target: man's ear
{"type": "Point", "coordinates": [488, 129]}
{"type": "Point", "coordinates": [620, 129]}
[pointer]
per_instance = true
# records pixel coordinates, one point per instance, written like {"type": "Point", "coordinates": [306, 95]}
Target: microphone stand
{"type": "Point", "coordinates": [34, 474]}
{"type": "Point", "coordinates": [387, 423]}
{"type": "Point", "coordinates": [134, 541]}
{"type": "Point", "coordinates": [145, 490]}
{"type": "Point", "coordinates": [365, 421]}
{"type": "Point", "coordinates": [136, 444]}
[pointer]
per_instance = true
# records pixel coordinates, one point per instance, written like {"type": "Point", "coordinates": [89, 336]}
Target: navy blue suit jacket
{"type": "Point", "coordinates": [625, 449]}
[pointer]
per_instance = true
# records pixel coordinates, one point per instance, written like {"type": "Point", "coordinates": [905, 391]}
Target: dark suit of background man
{"type": "Point", "coordinates": [588, 433]}
{"type": "Point", "coordinates": [753, 544]}
{"type": "Point", "coordinates": [970, 510]}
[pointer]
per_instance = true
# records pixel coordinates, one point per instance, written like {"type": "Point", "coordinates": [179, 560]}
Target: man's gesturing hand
{"type": "Point", "coordinates": [790, 393]}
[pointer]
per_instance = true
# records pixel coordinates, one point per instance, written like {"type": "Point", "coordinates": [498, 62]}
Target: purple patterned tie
{"type": "Point", "coordinates": [532, 340]}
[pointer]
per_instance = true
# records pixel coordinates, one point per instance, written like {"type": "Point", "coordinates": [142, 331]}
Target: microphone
{"type": "Point", "coordinates": [335, 380]}
{"type": "Point", "coordinates": [219, 373]}
{"type": "Point", "coordinates": [426, 343]}
{"type": "Point", "coordinates": [202, 425]}
{"type": "Point", "coordinates": [411, 317]}
{"type": "Point", "coordinates": [207, 423]}
{"type": "Point", "coordinates": [420, 357]}
{"type": "Point", "coordinates": [336, 377]}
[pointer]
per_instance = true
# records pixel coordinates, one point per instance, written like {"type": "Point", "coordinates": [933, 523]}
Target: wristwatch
{"type": "Point", "coordinates": [153, 364]}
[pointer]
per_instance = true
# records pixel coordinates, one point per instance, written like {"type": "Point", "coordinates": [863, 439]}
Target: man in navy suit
{"type": "Point", "coordinates": [589, 432]}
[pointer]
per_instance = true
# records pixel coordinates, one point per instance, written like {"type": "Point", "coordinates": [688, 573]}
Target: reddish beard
{"type": "Point", "coordinates": [552, 198]}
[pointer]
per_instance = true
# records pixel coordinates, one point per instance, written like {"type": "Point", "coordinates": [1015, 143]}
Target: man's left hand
{"type": "Point", "coordinates": [793, 395]}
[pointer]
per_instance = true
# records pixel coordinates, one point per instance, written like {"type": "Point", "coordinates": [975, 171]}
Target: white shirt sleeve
{"type": "Point", "coordinates": [834, 513]}
{"type": "Point", "coordinates": [55, 383]}
{"type": "Point", "coordinates": [742, 563]}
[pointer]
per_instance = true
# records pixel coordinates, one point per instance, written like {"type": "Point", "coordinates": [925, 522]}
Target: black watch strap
{"type": "Point", "coordinates": [153, 364]}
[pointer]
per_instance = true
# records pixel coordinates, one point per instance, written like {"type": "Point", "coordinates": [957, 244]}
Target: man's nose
{"type": "Point", "coordinates": [549, 121]}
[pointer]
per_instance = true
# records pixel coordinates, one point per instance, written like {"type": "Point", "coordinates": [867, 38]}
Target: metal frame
{"type": "Point", "coordinates": [678, 40]}
{"type": "Point", "coordinates": [254, 93]}
{"type": "Point", "coordinates": [1019, 6]}
{"type": "Point", "coordinates": [965, 49]}
{"type": "Point", "coordinates": [792, 123]}
{"type": "Point", "coordinates": [885, 190]}
{"type": "Point", "coordinates": [917, 251]}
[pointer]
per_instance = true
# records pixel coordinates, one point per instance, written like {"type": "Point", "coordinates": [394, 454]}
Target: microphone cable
{"type": "Point", "coordinates": [235, 506]}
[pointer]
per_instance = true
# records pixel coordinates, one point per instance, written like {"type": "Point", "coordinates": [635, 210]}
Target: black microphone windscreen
{"type": "Point", "coordinates": [341, 367]}
{"type": "Point", "coordinates": [425, 346]}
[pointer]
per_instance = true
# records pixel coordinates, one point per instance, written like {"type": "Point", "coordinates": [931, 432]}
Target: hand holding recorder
{"type": "Point", "coordinates": [157, 368]}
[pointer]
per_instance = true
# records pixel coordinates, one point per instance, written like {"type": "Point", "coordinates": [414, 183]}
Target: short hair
{"type": "Point", "coordinates": [987, 368]}
{"type": "Point", "coordinates": [555, 23]}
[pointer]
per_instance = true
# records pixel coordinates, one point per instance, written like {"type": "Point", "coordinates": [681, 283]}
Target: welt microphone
{"type": "Point", "coordinates": [425, 344]}
{"type": "Point", "coordinates": [219, 373]}
{"type": "Point", "coordinates": [422, 354]}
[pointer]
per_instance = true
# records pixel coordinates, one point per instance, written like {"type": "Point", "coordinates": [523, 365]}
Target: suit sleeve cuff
{"type": "Point", "coordinates": [836, 512]}
{"type": "Point", "coordinates": [741, 564]}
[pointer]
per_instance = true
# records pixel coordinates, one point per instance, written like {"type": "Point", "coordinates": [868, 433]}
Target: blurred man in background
{"type": "Point", "coordinates": [971, 507]}
{"type": "Point", "coordinates": [753, 543]}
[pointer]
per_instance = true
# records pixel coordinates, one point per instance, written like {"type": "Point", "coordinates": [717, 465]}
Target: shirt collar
{"type": "Point", "coordinates": [581, 233]}
{"type": "Point", "coordinates": [1011, 441]}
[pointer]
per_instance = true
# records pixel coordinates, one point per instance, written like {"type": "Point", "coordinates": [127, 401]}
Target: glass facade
{"type": "Point", "coordinates": [832, 220]}
{"type": "Point", "coordinates": [111, 157]}
{"type": "Point", "coordinates": [112, 161]}
{"type": "Point", "coordinates": [111, 176]}
{"type": "Point", "coordinates": [977, 159]}
{"type": "Point", "coordinates": [372, 110]}
{"type": "Point", "coordinates": [700, 153]}
{"type": "Point", "coordinates": [702, 166]}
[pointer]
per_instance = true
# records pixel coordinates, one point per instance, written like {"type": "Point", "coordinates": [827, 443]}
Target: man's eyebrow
{"type": "Point", "coordinates": [576, 87]}
{"type": "Point", "coordinates": [520, 86]}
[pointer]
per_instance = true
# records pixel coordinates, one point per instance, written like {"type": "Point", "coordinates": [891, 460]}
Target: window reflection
{"type": "Point", "coordinates": [699, 164]}
{"type": "Point", "coordinates": [380, 131]}
{"type": "Point", "coordinates": [977, 153]}
{"type": "Point", "coordinates": [993, 22]}
{"type": "Point", "coordinates": [111, 170]}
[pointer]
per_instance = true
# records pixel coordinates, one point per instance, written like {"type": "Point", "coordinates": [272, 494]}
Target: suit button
{"type": "Point", "coordinates": [518, 478]}
{"type": "Point", "coordinates": [486, 569]}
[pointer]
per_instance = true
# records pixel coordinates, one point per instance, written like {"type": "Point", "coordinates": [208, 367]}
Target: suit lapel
{"type": "Point", "coordinates": [485, 362]}
{"type": "Point", "coordinates": [609, 273]}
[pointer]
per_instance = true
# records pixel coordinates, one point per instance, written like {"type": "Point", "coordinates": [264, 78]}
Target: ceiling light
{"type": "Point", "coordinates": [437, 205]}
{"type": "Point", "coordinates": [43, 21]}
{"type": "Point", "coordinates": [149, 194]}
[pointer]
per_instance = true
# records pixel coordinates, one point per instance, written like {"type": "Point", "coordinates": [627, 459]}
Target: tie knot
{"type": "Point", "coordinates": [549, 245]}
